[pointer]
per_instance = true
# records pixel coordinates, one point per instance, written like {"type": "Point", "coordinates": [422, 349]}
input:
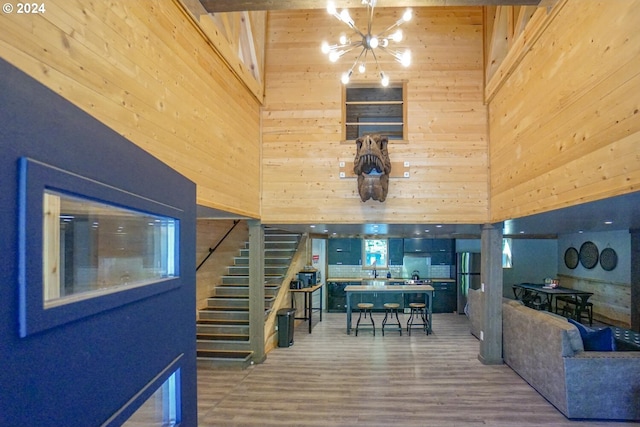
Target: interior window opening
{"type": "Point", "coordinates": [93, 247]}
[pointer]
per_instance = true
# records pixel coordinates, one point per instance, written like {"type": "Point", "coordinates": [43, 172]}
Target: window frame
{"type": "Point", "coordinates": [35, 178]}
{"type": "Point", "coordinates": [365, 255]}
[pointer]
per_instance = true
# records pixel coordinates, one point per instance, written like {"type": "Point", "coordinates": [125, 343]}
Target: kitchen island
{"type": "Point", "coordinates": [444, 300]}
{"type": "Point", "coordinates": [374, 290]}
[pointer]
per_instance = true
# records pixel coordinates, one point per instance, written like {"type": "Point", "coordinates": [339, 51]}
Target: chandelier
{"type": "Point", "coordinates": [370, 44]}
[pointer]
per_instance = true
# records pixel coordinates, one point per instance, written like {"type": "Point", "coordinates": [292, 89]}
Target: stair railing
{"type": "Point", "coordinates": [212, 250]}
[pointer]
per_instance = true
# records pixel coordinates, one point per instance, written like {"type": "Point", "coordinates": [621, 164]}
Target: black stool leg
{"type": "Point", "coordinates": [414, 312]}
{"type": "Point", "coordinates": [358, 322]}
{"type": "Point", "coordinates": [398, 320]}
{"type": "Point", "coordinates": [424, 321]}
{"type": "Point", "coordinates": [372, 322]}
{"type": "Point", "coordinates": [384, 321]}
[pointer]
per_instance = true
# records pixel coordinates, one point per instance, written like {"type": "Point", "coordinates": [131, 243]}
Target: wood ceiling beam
{"type": "Point", "coordinates": [213, 6]}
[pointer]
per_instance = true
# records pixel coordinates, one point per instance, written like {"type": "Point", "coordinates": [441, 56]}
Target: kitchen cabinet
{"type": "Point", "coordinates": [345, 252]}
{"type": "Point", "coordinates": [441, 251]}
{"type": "Point", "coordinates": [441, 245]}
{"type": "Point", "coordinates": [445, 297]}
{"type": "Point", "coordinates": [396, 251]}
{"type": "Point", "coordinates": [417, 246]}
{"type": "Point", "coordinates": [337, 299]}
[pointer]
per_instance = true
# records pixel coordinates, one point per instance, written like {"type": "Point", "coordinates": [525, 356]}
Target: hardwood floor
{"type": "Point", "coordinates": [329, 378]}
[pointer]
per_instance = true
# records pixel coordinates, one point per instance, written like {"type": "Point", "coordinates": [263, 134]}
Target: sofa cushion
{"type": "Point", "coordinates": [595, 340]}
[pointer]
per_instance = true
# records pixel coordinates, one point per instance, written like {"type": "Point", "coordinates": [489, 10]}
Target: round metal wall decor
{"type": "Point", "coordinates": [571, 257]}
{"type": "Point", "coordinates": [588, 255]}
{"type": "Point", "coordinates": [608, 259]}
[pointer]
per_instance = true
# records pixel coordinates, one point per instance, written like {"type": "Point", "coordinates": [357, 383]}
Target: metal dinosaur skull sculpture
{"type": "Point", "coordinates": [372, 166]}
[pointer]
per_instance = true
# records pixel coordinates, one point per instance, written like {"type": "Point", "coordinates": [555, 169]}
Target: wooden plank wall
{"type": "Point", "coordinates": [564, 127]}
{"type": "Point", "coordinates": [611, 301]}
{"type": "Point", "coordinates": [144, 70]}
{"type": "Point", "coordinates": [447, 122]}
{"type": "Point", "coordinates": [209, 233]}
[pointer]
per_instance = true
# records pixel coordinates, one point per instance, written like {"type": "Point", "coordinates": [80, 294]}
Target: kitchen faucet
{"type": "Point", "coordinates": [375, 273]}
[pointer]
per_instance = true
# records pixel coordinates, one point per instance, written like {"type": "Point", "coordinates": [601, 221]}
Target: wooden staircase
{"type": "Point", "coordinates": [222, 328]}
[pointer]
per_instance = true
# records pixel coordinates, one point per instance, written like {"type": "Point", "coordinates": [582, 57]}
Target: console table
{"type": "Point", "coordinates": [308, 302]}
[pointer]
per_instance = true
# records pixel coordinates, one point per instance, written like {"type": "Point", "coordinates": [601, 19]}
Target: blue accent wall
{"type": "Point", "coordinates": [88, 371]}
{"type": "Point", "coordinates": [533, 261]}
{"type": "Point", "coordinates": [618, 240]}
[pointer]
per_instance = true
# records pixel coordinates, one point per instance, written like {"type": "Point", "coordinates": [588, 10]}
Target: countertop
{"type": "Point", "coordinates": [384, 279]}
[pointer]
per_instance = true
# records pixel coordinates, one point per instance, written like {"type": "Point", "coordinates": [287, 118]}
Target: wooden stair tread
{"type": "Point", "coordinates": [225, 354]}
{"type": "Point", "coordinates": [222, 337]}
{"type": "Point", "coordinates": [221, 308]}
{"type": "Point", "coordinates": [222, 322]}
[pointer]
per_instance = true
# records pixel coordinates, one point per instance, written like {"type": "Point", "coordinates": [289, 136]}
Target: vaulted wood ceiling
{"type": "Point", "coordinates": [245, 5]}
{"type": "Point", "coordinates": [505, 26]}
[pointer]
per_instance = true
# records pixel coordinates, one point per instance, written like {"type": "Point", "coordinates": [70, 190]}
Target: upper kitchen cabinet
{"type": "Point", "coordinates": [441, 251]}
{"type": "Point", "coordinates": [345, 252]}
{"type": "Point", "coordinates": [396, 251]}
{"type": "Point", "coordinates": [417, 245]}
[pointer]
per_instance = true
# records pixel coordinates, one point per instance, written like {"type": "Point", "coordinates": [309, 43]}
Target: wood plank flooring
{"type": "Point", "coordinates": [329, 378]}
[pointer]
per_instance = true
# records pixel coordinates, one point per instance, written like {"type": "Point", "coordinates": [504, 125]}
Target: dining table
{"type": "Point", "coordinates": [426, 290]}
{"type": "Point", "coordinates": [527, 291]}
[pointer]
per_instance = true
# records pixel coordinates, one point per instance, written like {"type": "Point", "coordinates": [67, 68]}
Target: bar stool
{"type": "Point", "coordinates": [417, 309]}
{"type": "Point", "coordinates": [365, 307]}
{"type": "Point", "coordinates": [390, 309]}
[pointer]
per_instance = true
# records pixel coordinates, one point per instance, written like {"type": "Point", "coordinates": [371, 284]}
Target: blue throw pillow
{"type": "Point", "coordinates": [595, 339]}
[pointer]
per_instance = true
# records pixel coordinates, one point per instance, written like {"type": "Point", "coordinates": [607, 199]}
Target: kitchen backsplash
{"type": "Point", "coordinates": [397, 271]}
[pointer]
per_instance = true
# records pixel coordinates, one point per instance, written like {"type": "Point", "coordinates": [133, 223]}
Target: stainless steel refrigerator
{"type": "Point", "coordinates": [467, 276]}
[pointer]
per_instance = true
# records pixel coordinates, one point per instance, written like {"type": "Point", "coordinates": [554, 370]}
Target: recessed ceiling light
{"type": "Point", "coordinates": [438, 226]}
{"type": "Point", "coordinates": [608, 222]}
{"type": "Point", "coordinates": [426, 231]}
{"type": "Point", "coordinates": [521, 231]}
{"type": "Point", "coordinates": [580, 231]}
{"type": "Point", "coordinates": [312, 226]}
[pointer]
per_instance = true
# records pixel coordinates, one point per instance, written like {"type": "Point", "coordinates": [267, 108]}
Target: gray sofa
{"type": "Point", "coordinates": [547, 352]}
